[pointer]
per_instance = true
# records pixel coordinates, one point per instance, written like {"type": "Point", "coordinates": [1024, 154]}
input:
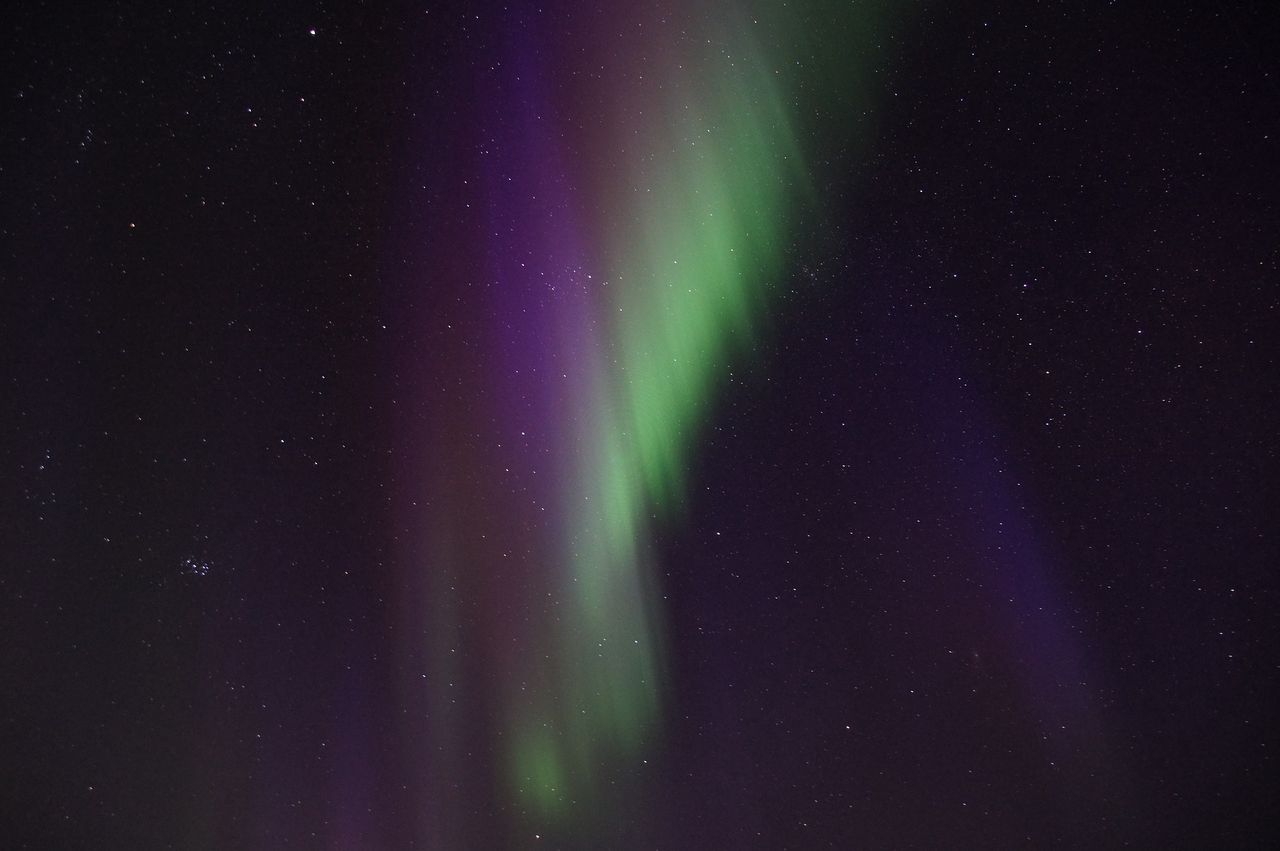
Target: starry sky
{"type": "Point", "coordinates": [658, 425]}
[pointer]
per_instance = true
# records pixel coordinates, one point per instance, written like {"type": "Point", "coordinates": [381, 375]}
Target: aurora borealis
{"type": "Point", "coordinates": [702, 425]}
{"type": "Point", "coordinates": [629, 266]}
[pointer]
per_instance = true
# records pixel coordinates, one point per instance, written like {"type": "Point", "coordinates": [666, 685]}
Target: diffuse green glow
{"type": "Point", "coordinates": [687, 289]}
{"type": "Point", "coordinates": [697, 236]}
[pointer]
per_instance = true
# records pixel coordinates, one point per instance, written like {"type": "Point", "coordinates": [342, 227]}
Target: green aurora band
{"type": "Point", "coordinates": [695, 198]}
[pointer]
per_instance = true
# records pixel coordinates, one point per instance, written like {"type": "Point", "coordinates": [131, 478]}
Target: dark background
{"type": "Point", "coordinates": [1015, 422]}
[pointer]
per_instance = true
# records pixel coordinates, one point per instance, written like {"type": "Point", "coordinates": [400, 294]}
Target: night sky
{"type": "Point", "coordinates": [658, 425]}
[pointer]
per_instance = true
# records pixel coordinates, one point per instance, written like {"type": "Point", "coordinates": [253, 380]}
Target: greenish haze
{"type": "Point", "coordinates": [702, 218]}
